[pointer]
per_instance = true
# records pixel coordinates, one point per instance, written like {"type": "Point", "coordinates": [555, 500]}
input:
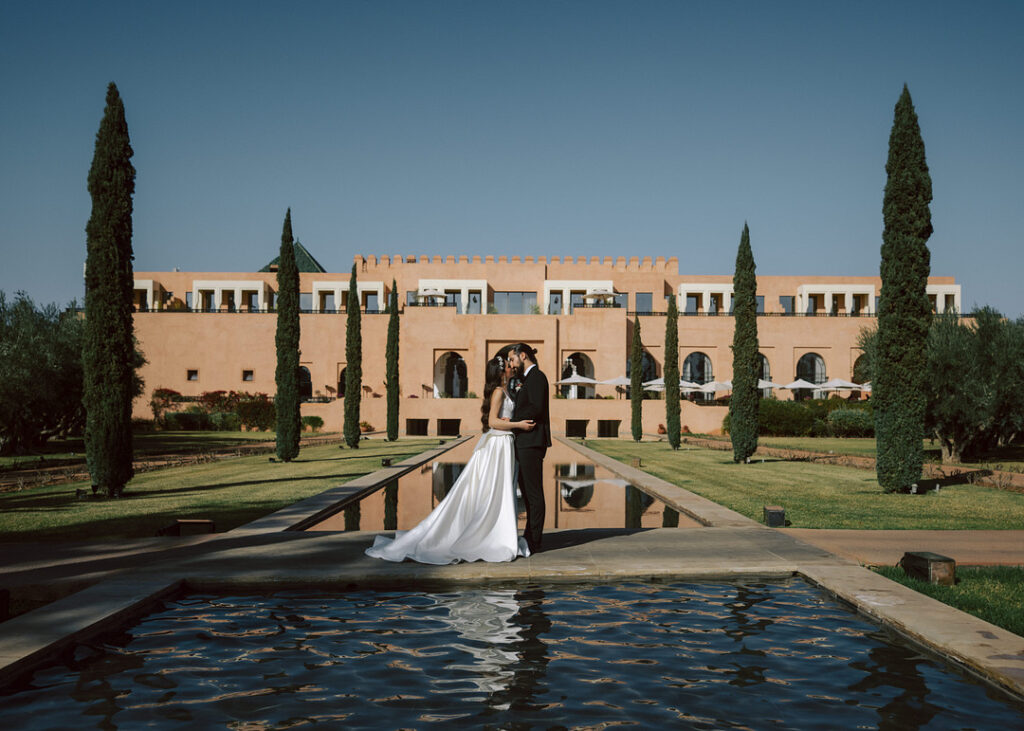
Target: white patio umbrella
{"type": "Point", "coordinates": [866, 387]}
{"type": "Point", "coordinates": [688, 385]}
{"type": "Point", "coordinates": [713, 386]}
{"type": "Point", "coordinates": [761, 383]}
{"type": "Point", "coordinates": [619, 381]}
{"type": "Point", "coordinates": [576, 380]}
{"type": "Point", "coordinates": [800, 383]}
{"type": "Point", "coordinates": [838, 384]}
{"type": "Point", "coordinates": [655, 384]}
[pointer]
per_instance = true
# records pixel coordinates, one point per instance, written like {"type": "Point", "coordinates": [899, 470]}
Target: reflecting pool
{"type": "Point", "coordinates": [752, 655]}
{"type": "Point", "coordinates": [577, 492]}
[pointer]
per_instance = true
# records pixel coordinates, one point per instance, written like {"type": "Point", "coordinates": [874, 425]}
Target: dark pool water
{"type": "Point", "coordinates": [779, 655]}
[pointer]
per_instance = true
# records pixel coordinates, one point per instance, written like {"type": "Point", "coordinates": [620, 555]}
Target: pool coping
{"type": "Point", "coordinates": [268, 555]}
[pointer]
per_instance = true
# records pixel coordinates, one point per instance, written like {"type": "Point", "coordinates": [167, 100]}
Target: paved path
{"type": "Point", "coordinates": [886, 547]}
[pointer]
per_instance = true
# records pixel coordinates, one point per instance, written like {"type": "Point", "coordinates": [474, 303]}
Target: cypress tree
{"type": "Point", "coordinates": [108, 351]}
{"type": "Point", "coordinates": [672, 372]}
{"type": "Point", "coordinates": [636, 394]}
{"type": "Point", "coordinates": [391, 358]}
{"type": "Point", "coordinates": [745, 401]}
{"type": "Point", "coordinates": [353, 365]}
{"type": "Point", "coordinates": [904, 315]}
{"type": "Point", "coordinates": [286, 402]}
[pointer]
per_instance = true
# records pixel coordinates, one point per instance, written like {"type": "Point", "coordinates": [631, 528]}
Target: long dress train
{"type": "Point", "coordinates": [476, 521]}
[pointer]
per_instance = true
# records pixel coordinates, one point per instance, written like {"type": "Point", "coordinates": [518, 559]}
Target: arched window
{"type": "Point", "coordinates": [341, 383]}
{"type": "Point", "coordinates": [305, 384]}
{"type": "Point", "coordinates": [581, 365]}
{"type": "Point", "coordinates": [648, 369]}
{"type": "Point", "coordinates": [450, 378]}
{"type": "Point", "coordinates": [811, 368]}
{"type": "Point", "coordinates": [764, 372]}
{"type": "Point", "coordinates": [697, 369]}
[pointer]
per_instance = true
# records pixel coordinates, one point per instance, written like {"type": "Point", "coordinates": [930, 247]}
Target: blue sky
{"type": "Point", "coordinates": [538, 128]}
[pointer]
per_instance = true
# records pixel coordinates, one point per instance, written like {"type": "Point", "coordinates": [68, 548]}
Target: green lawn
{"type": "Point", "coordinates": [818, 495]}
{"type": "Point", "coordinates": [992, 593]}
{"type": "Point", "coordinates": [230, 492]}
{"type": "Point", "coordinates": [69, 451]}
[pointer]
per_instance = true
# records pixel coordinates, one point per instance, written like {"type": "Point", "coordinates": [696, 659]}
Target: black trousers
{"type": "Point", "coordinates": [531, 487]}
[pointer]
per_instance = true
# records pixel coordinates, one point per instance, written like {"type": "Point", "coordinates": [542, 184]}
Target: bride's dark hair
{"type": "Point", "coordinates": [492, 380]}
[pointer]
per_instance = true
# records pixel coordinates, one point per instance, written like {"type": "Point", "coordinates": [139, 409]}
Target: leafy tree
{"type": "Point", "coordinates": [353, 365]}
{"type": "Point", "coordinates": [745, 401]}
{"type": "Point", "coordinates": [636, 393]}
{"type": "Point", "coordinates": [38, 346]}
{"type": "Point", "coordinates": [286, 376]}
{"type": "Point", "coordinates": [108, 350]}
{"type": "Point", "coordinates": [904, 310]}
{"type": "Point", "coordinates": [391, 358]}
{"type": "Point", "coordinates": [672, 372]}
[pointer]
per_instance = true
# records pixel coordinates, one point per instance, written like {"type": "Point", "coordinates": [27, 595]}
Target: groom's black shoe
{"type": "Point", "coordinates": [534, 548]}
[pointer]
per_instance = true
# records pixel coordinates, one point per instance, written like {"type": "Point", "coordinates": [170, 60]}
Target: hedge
{"type": "Point", "coordinates": [812, 417]}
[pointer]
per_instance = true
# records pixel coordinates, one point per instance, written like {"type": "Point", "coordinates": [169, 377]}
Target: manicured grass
{"type": "Point", "coordinates": [854, 446]}
{"type": "Point", "coordinates": [818, 495]}
{"type": "Point", "coordinates": [67, 451]}
{"type": "Point", "coordinates": [992, 593]}
{"type": "Point", "coordinates": [230, 492]}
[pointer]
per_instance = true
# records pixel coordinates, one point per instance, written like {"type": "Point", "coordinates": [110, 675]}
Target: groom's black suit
{"type": "Point", "coordinates": [531, 446]}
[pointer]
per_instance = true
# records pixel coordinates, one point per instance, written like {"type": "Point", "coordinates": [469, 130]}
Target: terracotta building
{"type": "Point", "coordinates": [208, 331]}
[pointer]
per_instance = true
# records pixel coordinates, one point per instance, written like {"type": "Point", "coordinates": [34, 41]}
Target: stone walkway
{"type": "Point", "coordinates": [128, 579]}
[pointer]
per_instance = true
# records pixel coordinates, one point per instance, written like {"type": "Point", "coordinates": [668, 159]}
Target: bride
{"type": "Point", "coordinates": [476, 521]}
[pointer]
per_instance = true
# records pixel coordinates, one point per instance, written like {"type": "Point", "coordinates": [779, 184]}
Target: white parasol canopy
{"type": "Point", "coordinates": [837, 384]}
{"type": "Point", "coordinates": [576, 380]}
{"type": "Point", "coordinates": [713, 386]}
{"type": "Point", "coordinates": [619, 381]}
{"type": "Point", "coordinates": [655, 384]}
{"type": "Point", "coordinates": [761, 383]}
{"type": "Point", "coordinates": [801, 383]}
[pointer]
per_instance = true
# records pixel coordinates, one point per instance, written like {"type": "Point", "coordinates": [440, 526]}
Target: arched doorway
{"type": "Point", "coordinates": [697, 369]}
{"type": "Point", "coordinates": [305, 384]}
{"type": "Point", "coordinates": [450, 380]}
{"type": "Point", "coordinates": [341, 383]}
{"type": "Point", "coordinates": [581, 365]}
{"type": "Point", "coordinates": [764, 372]}
{"type": "Point", "coordinates": [648, 369]}
{"type": "Point", "coordinates": [811, 368]}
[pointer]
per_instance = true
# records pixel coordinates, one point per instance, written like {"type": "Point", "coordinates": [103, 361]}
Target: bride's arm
{"type": "Point", "coordinates": [496, 422]}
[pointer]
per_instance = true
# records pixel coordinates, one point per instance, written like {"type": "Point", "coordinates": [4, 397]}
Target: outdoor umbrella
{"type": "Point", "coordinates": [688, 385]}
{"type": "Point", "coordinates": [837, 384]}
{"type": "Point", "coordinates": [713, 386]}
{"type": "Point", "coordinates": [800, 383]}
{"type": "Point", "coordinates": [761, 383]}
{"type": "Point", "coordinates": [656, 384]}
{"type": "Point", "coordinates": [576, 380]}
{"type": "Point", "coordinates": [620, 381]}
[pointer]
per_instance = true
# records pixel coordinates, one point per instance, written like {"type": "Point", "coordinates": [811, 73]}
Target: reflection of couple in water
{"type": "Point", "coordinates": [476, 521]}
{"type": "Point", "coordinates": [502, 630]}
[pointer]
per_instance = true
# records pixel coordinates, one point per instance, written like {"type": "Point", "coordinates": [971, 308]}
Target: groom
{"type": "Point", "coordinates": [531, 446]}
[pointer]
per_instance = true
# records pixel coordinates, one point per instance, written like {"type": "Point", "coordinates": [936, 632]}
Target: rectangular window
{"type": "Point", "coordinates": [515, 303]}
{"type": "Point", "coordinates": [454, 299]}
{"type": "Point", "coordinates": [788, 304]}
{"type": "Point", "coordinates": [474, 304]}
{"type": "Point", "coordinates": [410, 300]}
{"type": "Point", "coordinates": [305, 301]}
{"type": "Point", "coordinates": [555, 303]}
{"type": "Point", "coordinates": [622, 300]}
{"type": "Point", "coordinates": [643, 301]}
{"type": "Point", "coordinates": [416, 427]}
{"type": "Point", "coordinates": [327, 301]}
{"type": "Point", "coordinates": [188, 300]}
{"type": "Point", "coordinates": [207, 298]}
{"type": "Point", "coordinates": [692, 304]}
{"type": "Point", "coordinates": [760, 304]}
{"type": "Point", "coordinates": [878, 301]}
{"type": "Point", "coordinates": [608, 428]}
{"type": "Point", "coordinates": [576, 427]}
{"type": "Point", "coordinates": [372, 304]}
{"type": "Point", "coordinates": [253, 301]}
{"type": "Point", "coordinates": [575, 300]}
{"type": "Point", "coordinates": [192, 375]}
{"type": "Point", "coordinates": [247, 375]}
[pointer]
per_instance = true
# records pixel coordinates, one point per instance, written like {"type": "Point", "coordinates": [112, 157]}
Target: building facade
{"type": "Point", "coordinates": [205, 331]}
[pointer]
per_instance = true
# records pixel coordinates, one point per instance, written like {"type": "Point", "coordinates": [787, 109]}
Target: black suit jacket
{"type": "Point", "coordinates": [532, 404]}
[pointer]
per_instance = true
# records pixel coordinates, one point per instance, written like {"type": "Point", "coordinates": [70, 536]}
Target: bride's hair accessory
{"type": "Point", "coordinates": [501, 362]}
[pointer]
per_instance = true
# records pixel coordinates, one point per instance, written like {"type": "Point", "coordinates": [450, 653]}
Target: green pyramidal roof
{"type": "Point", "coordinates": [303, 259]}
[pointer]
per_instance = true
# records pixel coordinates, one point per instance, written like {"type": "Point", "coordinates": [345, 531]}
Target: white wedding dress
{"type": "Point", "coordinates": [476, 521]}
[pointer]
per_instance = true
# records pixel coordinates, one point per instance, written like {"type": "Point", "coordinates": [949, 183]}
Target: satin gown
{"type": "Point", "coordinates": [476, 521]}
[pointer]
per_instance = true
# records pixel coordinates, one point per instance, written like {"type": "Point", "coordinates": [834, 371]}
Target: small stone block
{"type": "Point", "coordinates": [385, 461]}
{"type": "Point", "coordinates": [636, 462]}
{"type": "Point", "coordinates": [774, 516]}
{"type": "Point", "coordinates": [930, 567]}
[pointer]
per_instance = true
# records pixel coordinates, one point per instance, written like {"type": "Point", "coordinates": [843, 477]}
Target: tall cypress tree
{"type": "Point", "coordinates": [672, 372]}
{"type": "Point", "coordinates": [745, 401]}
{"type": "Point", "coordinates": [391, 359]}
{"type": "Point", "coordinates": [286, 402]}
{"type": "Point", "coordinates": [108, 352]}
{"type": "Point", "coordinates": [353, 365]}
{"type": "Point", "coordinates": [636, 394]}
{"type": "Point", "coordinates": [904, 315]}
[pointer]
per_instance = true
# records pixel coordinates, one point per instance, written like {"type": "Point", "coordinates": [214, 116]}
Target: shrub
{"type": "Point", "coordinates": [225, 421]}
{"type": "Point", "coordinates": [191, 420]}
{"type": "Point", "coordinates": [315, 423]}
{"type": "Point", "coordinates": [784, 418]}
{"type": "Point", "coordinates": [161, 399]}
{"type": "Point", "coordinates": [851, 423]}
{"type": "Point", "coordinates": [140, 426]}
{"type": "Point", "coordinates": [365, 426]}
{"type": "Point", "coordinates": [257, 412]}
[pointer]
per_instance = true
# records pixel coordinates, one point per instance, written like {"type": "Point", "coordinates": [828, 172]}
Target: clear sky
{"type": "Point", "coordinates": [533, 128]}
